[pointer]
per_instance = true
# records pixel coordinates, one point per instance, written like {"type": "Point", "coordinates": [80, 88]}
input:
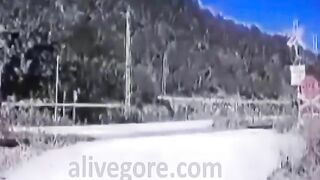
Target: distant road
{"type": "Point", "coordinates": [127, 130]}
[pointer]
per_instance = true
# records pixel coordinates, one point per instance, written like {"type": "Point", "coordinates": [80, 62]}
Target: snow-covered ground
{"type": "Point", "coordinates": [241, 154]}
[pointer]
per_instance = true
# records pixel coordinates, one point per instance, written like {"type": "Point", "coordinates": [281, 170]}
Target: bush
{"type": "Point", "coordinates": [16, 147]}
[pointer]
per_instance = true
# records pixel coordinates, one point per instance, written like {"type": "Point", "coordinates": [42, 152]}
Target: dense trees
{"type": "Point", "coordinates": [207, 54]}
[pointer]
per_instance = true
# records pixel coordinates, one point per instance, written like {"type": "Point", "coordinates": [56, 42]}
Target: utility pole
{"type": "Point", "coordinates": [315, 43]}
{"type": "Point", "coordinates": [61, 9]}
{"type": "Point", "coordinates": [164, 74]}
{"type": "Point", "coordinates": [58, 59]}
{"type": "Point", "coordinates": [128, 93]}
{"type": "Point", "coordinates": [56, 89]}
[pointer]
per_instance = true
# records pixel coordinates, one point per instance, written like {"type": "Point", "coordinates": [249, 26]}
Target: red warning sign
{"type": "Point", "coordinates": [309, 96]}
{"type": "Point", "coordinates": [310, 87]}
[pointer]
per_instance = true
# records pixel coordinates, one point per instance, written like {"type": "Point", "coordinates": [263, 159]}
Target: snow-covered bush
{"type": "Point", "coordinates": [312, 134]}
{"type": "Point", "coordinates": [301, 170]}
{"type": "Point", "coordinates": [33, 144]}
{"type": "Point", "coordinates": [10, 157]}
{"type": "Point", "coordinates": [28, 145]}
{"type": "Point", "coordinates": [32, 116]}
{"type": "Point", "coordinates": [308, 168]}
{"type": "Point", "coordinates": [4, 128]}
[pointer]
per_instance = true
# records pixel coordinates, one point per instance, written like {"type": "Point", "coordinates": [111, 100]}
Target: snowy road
{"type": "Point", "coordinates": [242, 154]}
{"type": "Point", "coordinates": [128, 130]}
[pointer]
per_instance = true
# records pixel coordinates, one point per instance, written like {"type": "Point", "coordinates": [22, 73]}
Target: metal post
{"type": "Point", "coordinates": [296, 43]}
{"type": "Point", "coordinates": [128, 67]}
{"type": "Point", "coordinates": [75, 98]}
{"type": "Point", "coordinates": [236, 115]}
{"type": "Point", "coordinates": [64, 100]}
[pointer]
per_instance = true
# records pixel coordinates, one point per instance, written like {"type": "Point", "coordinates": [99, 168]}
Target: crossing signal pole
{"type": "Point", "coordinates": [298, 71]}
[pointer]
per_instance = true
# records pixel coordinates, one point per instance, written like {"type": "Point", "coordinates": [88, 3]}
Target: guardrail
{"type": "Point", "coordinates": [77, 105]}
{"type": "Point", "coordinates": [223, 100]}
